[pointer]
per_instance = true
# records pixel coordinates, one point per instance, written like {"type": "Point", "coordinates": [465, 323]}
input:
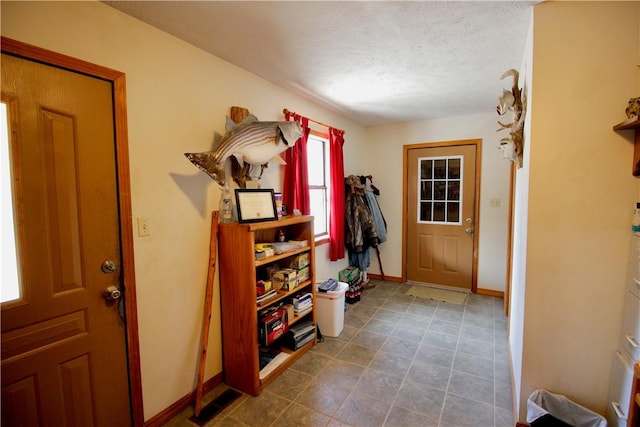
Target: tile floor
{"type": "Point", "coordinates": [400, 361]}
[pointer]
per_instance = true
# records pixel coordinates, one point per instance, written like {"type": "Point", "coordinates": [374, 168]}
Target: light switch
{"type": "Point", "coordinates": [143, 227]}
{"type": "Point", "coordinates": [494, 203]}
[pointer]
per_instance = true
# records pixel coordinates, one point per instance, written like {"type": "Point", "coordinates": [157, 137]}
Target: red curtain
{"type": "Point", "coordinates": [336, 202]}
{"type": "Point", "coordinates": [295, 189]}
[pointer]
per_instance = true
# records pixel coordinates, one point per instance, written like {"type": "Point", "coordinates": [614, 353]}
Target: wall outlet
{"type": "Point", "coordinates": [143, 227]}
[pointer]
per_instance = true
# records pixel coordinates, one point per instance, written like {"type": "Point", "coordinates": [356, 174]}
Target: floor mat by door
{"type": "Point", "coordinates": [451, 297]}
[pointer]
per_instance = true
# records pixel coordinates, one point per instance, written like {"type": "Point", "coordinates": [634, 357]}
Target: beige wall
{"type": "Point", "coordinates": [384, 161]}
{"type": "Point", "coordinates": [576, 230]}
{"type": "Point", "coordinates": [178, 97]}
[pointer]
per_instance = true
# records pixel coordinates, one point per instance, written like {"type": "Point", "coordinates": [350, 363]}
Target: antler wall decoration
{"type": "Point", "coordinates": [512, 100]}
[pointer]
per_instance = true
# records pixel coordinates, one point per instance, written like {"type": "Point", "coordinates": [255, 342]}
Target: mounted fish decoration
{"type": "Point", "coordinates": [250, 141]}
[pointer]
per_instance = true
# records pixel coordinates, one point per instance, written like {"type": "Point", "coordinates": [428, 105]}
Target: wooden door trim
{"type": "Point", "coordinates": [476, 207]}
{"type": "Point", "coordinates": [118, 81]}
{"type": "Point", "coordinates": [512, 201]}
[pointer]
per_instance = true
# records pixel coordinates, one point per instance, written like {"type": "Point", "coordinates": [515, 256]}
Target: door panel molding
{"type": "Point", "coordinates": [476, 209]}
{"type": "Point", "coordinates": [426, 246]}
{"type": "Point", "coordinates": [118, 82]}
{"type": "Point", "coordinates": [38, 335]}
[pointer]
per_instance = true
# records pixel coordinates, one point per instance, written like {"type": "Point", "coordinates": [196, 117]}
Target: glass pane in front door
{"type": "Point", "coordinates": [440, 190]}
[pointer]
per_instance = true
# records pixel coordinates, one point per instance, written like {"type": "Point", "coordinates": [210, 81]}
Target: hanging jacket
{"type": "Point", "coordinates": [360, 228]}
{"type": "Point", "coordinates": [374, 207]}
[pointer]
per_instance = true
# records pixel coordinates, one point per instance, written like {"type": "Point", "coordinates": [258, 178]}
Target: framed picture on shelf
{"type": "Point", "coordinates": [256, 205]}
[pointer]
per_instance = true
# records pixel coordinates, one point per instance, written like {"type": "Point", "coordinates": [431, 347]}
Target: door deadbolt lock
{"type": "Point", "coordinates": [470, 229]}
{"type": "Point", "coordinates": [111, 293]}
{"type": "Point", "coordinates": [108, 266]}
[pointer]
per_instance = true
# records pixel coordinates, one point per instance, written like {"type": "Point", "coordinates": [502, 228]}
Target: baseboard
{"type": "Point", "coordinates": [183, 403]}
{"type": "Point", "coordinates": [515, 406]}
{"type": "Point", "coordinates": [490, 292]}
{"type": "Point", "coordinates": [386, 278]}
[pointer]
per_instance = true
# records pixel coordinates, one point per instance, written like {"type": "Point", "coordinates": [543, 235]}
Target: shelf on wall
{"type": "Point", "coordinates": [632, 123]}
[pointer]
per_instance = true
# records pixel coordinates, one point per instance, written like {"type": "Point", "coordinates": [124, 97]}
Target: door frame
{"type": "Point", "coordinates": [510, 224]}
{"type": "Point", "coordinates": [476, 207]}
{"type": "Point", "coordinates": [118, 81]}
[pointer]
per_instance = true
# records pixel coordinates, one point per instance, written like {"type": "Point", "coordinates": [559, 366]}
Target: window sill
{"type": "Point", "coordinates": [322, 241]}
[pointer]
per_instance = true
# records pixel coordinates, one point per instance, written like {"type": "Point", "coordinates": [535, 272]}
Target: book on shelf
{"type": "Point", "coordinates": [300, 335]}
{"type": "Point", "coordinates": [304, 304]}
{"type": "Point", "coordinates": [273, 364]}
{"type": "Point", "coordinates": [304, 340]}
{"type": "Point", "coordinates": [303, 312]}
{"type": "Point", "coordinates": [266, 296]}
{"type": "Point", "coordinates": [302, 328]}
{"type": "Point", "coordinates": [266, 355]}
{"type": "Point", "coordinates": [302, 299]}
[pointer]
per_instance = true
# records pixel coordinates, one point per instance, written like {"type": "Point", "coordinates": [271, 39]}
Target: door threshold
{"type": "Point", "coordinates": [443, 287]}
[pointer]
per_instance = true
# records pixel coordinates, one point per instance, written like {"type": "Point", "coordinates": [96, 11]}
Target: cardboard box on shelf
{"type": "Point", "coordinates": [263, 286]}
{"type": "Point", "coordinates": [289, 308]}
{"type": "Point", "coordinates": [285, 279]}
{"type": "Point", "coordinates": [303, 274]}
{"type": "Point", "coordinates": [299, 261]}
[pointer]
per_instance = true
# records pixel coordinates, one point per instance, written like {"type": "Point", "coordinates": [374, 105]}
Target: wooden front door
{"type": "Point", "coordinates": [64, 357]}
{"type": "Point", "coordinates": [441, 214]}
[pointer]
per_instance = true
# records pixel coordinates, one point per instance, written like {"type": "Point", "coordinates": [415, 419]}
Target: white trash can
{"type": "Point", "coordinates": [550, 409]}
{"type": "Point", "coordinates": [330, 310]}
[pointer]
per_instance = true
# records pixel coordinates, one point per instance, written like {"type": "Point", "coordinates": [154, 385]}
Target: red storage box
{"type": "Point", "coordinates": [273, 326]}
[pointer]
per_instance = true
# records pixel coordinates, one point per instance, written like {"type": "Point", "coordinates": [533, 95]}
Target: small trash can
{"type": "Point", "coordinates": [330, 310]}
{"type": "Point", "coordinates": [546, 409]}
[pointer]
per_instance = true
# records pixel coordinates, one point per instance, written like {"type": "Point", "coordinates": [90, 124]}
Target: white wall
{"type": "Point", "coordinates": [383, 158]}
{"type": "Point", "coordinates": [574, 230]}
{"type": "Point", "coordinates": [519, 248]}
{"type": "Point", "coordinates": [177, 97]}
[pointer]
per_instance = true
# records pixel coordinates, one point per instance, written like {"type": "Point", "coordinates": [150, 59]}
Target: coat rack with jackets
{"type": "Point", "coordinates": [365, 226]}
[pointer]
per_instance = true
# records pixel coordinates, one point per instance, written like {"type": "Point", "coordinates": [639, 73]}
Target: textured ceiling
{"type": "Point", "coordinates": [375, 62]}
